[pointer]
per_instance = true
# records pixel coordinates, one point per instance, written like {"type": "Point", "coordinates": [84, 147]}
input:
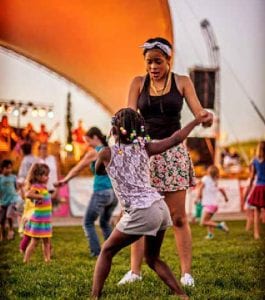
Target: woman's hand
{"type": "Point", "coordinates": [207, 118]}
{"type": "Point", "coordinates": [60, 183]}
{"type": "Point", "coordinates": [202, 117]}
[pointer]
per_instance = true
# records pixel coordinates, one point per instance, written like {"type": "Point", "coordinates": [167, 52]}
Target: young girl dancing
{"type": "Point", "coordinates": [144, 211]}
{"type": "Point", "coordinates": [257, 194]}
{"type": "Point", "coordinates": [208, 194]}
{"type": "Point", "coordinates": [39, 224]}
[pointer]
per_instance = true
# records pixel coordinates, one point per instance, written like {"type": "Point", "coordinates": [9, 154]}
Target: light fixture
{"type": "Point", "coordinates": [42, 112]}
{"type": "Point", "coordinates": [50, 114]}
{"type": "Point", "coordinates": [34, 112]}
{"type": "Point", "coordinates": [15, 112]}
{"type": "Point", "coordinates": [69, 147]}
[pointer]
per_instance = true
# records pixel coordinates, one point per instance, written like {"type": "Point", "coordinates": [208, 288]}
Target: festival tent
{"type": "Point", "coordinates": [94, 44]}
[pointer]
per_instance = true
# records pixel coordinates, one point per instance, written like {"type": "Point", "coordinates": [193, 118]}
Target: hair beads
{"type": "Point", "coordinates": [128, 125]}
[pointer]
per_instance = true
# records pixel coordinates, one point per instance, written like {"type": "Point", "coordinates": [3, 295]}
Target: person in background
{"type": "Point", "coordinates": [50, 160]}
{"type": "Point", "coordinates": [208, 195]}
{"type": "Point", "coordinates": [255, 193]}
{"type": "Point", "coordinates": [43, 136]}
{"type": "Point", "coordinates": [7, 136]}
{"type": "Point", "coordinates": [28, 160]}
{"type": "Point", "coordinates": [39, 225]}
{"type": "Point", "coordinates": [8, 198]}
{"type": "Point", "coordinates": [103, 200]}
{"type": "Point", "coordinates": [29, 134]}
{"type": "Point", "coordinates": [159, 96]}
{"type": "Point", "coordinates": [78, 140]}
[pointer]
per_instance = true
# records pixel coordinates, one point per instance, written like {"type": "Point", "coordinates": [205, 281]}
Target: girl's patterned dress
{"type": "Point", "coordinates": [39, 224]}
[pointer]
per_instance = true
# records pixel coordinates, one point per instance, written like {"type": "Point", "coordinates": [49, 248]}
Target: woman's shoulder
{"type": "Point", "coordinates": [138, 82]}
{"type": "Point", "coordinates": [182, 79]}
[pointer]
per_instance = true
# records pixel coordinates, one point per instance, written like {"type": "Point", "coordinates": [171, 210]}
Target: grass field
{"type": "Point", "coordinates": [229, 267]}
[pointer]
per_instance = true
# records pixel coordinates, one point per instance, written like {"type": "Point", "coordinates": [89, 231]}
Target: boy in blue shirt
{"type": "Point", "coordinates": [8, 198]}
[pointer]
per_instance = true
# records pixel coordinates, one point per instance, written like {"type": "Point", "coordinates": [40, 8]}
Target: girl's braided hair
{"type": "Point", "coordinates": [128, 125]}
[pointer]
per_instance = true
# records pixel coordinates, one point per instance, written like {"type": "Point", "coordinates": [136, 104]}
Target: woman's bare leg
{"type": "Point", "coordinates": [152, 255]}
{"type": "Point", "coordinates": [176, 205]}
{"type": "Point", "coordinates": [116, 241]}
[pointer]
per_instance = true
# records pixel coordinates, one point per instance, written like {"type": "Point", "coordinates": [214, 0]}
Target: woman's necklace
{"type": "Point", "coordinates": [160, 92]}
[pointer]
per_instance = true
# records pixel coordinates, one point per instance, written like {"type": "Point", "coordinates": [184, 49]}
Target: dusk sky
{"type": "Point", "coordinates": [239, 30]}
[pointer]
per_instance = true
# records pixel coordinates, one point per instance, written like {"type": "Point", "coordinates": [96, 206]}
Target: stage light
{"type": "Point", "coordinates": [42, 112]}
{"type": "Point", "coordinates": [69, 147]}
{"type": "Point", "coordinates": [15, 112]}
{"type": "Point", "coordinates": [50, 114]}
{"type": "Point", "coordinates": [34, 112]}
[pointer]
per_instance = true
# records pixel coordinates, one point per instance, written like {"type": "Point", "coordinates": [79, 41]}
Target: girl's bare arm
{"type": "Point", "coordinates": [33, 195]}
{"type": "Point", "coordinates": [252, 177]}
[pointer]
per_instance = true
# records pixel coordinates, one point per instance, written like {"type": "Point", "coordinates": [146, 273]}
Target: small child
{"type": "Point", "coordinates": [39, 223]}
{"type": "Point", "coordinates": [208, 194]}
{"type": "Point", "coordinates": [145, 213]}
{"type": "Point", "coordinates": [8, 198]}
{"type": "Point", "coordinates": [256, 195]}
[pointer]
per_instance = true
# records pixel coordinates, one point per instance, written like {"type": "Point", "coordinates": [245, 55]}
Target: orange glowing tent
{"type": "Point", "coordinates": [94, 44]}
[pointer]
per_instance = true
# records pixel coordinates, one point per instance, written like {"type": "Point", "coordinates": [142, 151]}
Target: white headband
{"type": "Point", "coordinates": [165, 48]}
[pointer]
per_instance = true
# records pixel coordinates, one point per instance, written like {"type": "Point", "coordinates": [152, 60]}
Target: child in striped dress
{"type": "Point", "coordinates": [39, 224]}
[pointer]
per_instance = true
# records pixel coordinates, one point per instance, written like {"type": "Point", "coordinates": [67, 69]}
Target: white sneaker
{"type": "Point", "coordinates": [187, 280]}
{"type": "Point", "coordinates": [209, 236]}
{"type": "Point", "coordinates": [224, 227]}
{"type": "Point", "coordinates": [129, 277]}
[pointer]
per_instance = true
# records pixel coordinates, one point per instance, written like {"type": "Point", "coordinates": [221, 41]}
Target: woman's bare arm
{"type": "Point", "coordinates": [188, 91]}
{"type": "Point", "coordinates": [134, 92]}
{"type": "Point", "coordinates": [83, 163]}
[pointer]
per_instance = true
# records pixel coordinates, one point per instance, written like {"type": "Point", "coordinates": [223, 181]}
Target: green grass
{"type": "Point", "coordinates": [229, 267]}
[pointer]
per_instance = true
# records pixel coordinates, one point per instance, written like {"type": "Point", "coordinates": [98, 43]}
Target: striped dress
{"type": "Point", "coordinates": [39, 224]}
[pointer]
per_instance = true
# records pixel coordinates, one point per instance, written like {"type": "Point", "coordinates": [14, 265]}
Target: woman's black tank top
{"type": "Point", "coordinates": [161, 113]}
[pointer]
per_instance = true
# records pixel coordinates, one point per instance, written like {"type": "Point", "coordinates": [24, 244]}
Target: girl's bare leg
{"type": "Point", "coordinates": [137, 255]}
{"type": "Point", "coordinates": [31, 247]}
{"type": "Point", "coordinates": [116, 241]}
{"type": "Point", "coordinates": [250, 219]}
{"type": "Point", "coordinates": [46, 249]}
{"type": "Point", "coordinates": [206, 220]}
{"type": "Point", "coordinates": [256, 223]}
{"type": "Point", "coordinates": [152, 255]}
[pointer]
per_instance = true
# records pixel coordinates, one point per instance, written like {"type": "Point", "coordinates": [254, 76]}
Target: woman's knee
{"type": "Point", "coordinates": [179, 221]}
